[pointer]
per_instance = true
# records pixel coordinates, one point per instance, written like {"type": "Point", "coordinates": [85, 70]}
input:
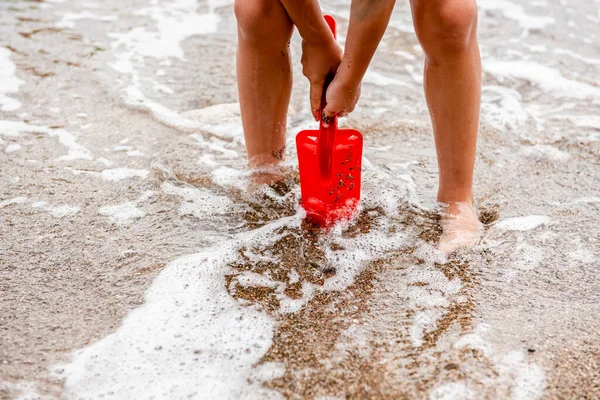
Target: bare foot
{"type": "Point", "coordinates": [460, 225]}
{"type": "Point", "coordinates": [270, 175]}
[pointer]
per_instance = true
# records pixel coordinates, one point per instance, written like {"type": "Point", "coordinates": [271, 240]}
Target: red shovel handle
{"type": "Point", "coordinates": [327, 134]}
{"type": "Point", "coordinates": [332, 25]}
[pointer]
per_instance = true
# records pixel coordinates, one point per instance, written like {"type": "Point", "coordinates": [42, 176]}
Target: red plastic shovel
{"type": "Point", "coordinates": [329, 161]}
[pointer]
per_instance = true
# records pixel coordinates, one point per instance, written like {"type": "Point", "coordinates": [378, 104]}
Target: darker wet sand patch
{"type": "Point", "coordinates": [311, 343]}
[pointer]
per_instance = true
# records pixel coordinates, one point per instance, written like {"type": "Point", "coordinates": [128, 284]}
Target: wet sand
{"type": "Point", "coordinates": [135, 263]}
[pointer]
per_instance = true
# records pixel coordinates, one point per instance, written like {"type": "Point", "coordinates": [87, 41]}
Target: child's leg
{"type": "Point", "coordinates": [264, 78]}
{"type": "Point", "coordinates": [447, 31]}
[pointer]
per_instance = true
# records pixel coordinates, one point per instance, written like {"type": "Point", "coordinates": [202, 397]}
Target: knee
{"type": "Point", "coordinates": [446, 26]}
{"type": "Point", "coordinates": [259, 20]}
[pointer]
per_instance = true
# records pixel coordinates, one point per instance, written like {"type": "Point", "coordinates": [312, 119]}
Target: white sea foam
{"type": "Point", "coordinates": [57, 211]}
{"type": "Point", "coordinates": [379, 79]}
{"type": "Point", "coordinates": [43, 5]}
{"type": "Point", "coordinates": [526, 223]}
{"type": "Point", "coordinates": [405, 54]}
{"type": "Point", "coordinates": [227, 115]}
{"type": "Point", "coordinates": [501, 108]}
{"type": "Point", "coordinates": [525, 257]}
{"type": "Point", "coordinates": [514, 374]}
{"type": "Point", "coordinates": [9, 83]}
{"type": "Point", "coordinates": [11, 148]}
{"type": "Point", "coordinates": [547, 78]}
{"type": "Point", "coordinates": [23, 390]}
{"type": "Point", "coordinates": [127, 212]}
{"type": "Point", "coordinates": [356, 339]}
{"type": "Point", "coordinates": [190, 339]}
{"type": "Point", "coordinates": [200, 203]}
{"type": "Point", "coordinates": [174, 21]}
{"type": "Point", "coordinates": [252, 279]}
{"type": "Point", "coordinates": [586, 121]}
{"type": "Point", "coordinates": [218, 145]}
{"type": "Point", "coordinates": [429, 302]}
{"type": "Point", "coordinates": [122, 213]}
{"type": "Point", "coordinates": [119, 174]}
{"type": "Point", "coordinates": [544, 151]}
{"type": "Point", "coordinates": [130, 151]}
{"type": "Point", "coordinates": [68, 18]}
{"type": "Point", "coordinates": [586, 60]}
{"type": "Point", "coordinates": [452, 391]}
{"type": "Point", "coordinates": [417, 77]}
{"type": "Point", "coordinates": [15, 200]}
{"type": "Point", "coordinates": [528, 380]}
{"type": "Point", "coordinates": [208, 159]}
{"type": "Point", "coordinates": [592, 199]}
{"type": "Point", "coordinates": [517, 13]}
{"type": "Point", "coordinates": [76, 151]}
{"type": "Point", "coordinates": [582, 253]}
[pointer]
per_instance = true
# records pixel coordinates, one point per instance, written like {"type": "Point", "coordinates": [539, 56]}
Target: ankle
{"type": "Point", "coordinates": [269, 174]}
{"type": "Point", "coordinates": [266, 160]}
{"type": "Point", "coordinates": [455, 195]}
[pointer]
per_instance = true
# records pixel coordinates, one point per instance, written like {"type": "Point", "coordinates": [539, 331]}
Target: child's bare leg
{"type": "Point", "coordinates": [447, 31]}
{"type": "Point", "coordinates": [264, 78]}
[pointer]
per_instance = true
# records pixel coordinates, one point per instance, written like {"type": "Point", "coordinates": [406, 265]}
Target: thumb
{"type": "Point", "coordinates": [328, 114]}
{"type": "Point", "coordinates": [316, 93]}
{"type": "Point", "coordinates": [329, 111]}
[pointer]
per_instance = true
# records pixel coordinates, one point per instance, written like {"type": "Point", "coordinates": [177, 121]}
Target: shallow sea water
{"type": "Point", "coordinates": [239, 297]}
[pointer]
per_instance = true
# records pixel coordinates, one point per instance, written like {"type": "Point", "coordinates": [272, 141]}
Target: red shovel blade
{"type": "Point", "coordinates": [329, 200]}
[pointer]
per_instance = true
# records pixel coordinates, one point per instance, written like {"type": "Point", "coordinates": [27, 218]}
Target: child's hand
{"type": "Point", "coordinates": [319, 59]}
{"type": "Point", "coordinates": [341, 98]}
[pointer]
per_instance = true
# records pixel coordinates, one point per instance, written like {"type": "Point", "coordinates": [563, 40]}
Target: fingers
{"type": "Point", "coordinates": [328, 114]}
{"type": "Point", "coordinates": [316, 93]}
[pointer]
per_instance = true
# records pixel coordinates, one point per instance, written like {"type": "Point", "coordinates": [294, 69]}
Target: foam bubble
{"type": "Point", "coordinates": [18, 128]}
{"type": "Point", "coordinates": [523, 380]}
{"type": "Point", "coordinates": [586, 60]}
{"type": "Point", "coordinates": [229, 125]}
{"type": "Point", "coordinates": [526, 223]}
{"type": "Point", "coordinates": [119, 174]}
{"type": "Point", "coordinates": [592, 199]}
{"type": "Point", "coordinates": [198, 202]}
{"type": "Point", "coordinates": [15, 200]}
{"type": "Point", "coordinates": [582, 253]}
{"type": "Point", "coordinates": [57, 211]}
{"type": "Point", "coordinates": [217, 145]}
{"type": "Point", "coordinates": [76, 151]}
{"type": "Point", "coordinates": [501, 107]}
{"type": "Point", "coordinates": [541, 151]}
{"type": "Point", "coordinates": [126, 212]}
{"type": "Point", "coordinates": [379, 79]}
{"type": "Point", "coordinates": [430, 302]}
{"type": "Point", "coordinates": [587, 121]}
{"type": "Point", "coordinates": [23, 390]}
{"type": "Point", "coordinates": [526, 257]}
{"type": "Point", "coordinates": [68, 18]}
{"type": "Point", "coordinates": [9, 83]}
{"type": "Point", "coordinates": [122, 213]}
{"type": "Point", "coordinates": [452, 391]}
{"type": "Point", "coordinates": [11, 148]}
